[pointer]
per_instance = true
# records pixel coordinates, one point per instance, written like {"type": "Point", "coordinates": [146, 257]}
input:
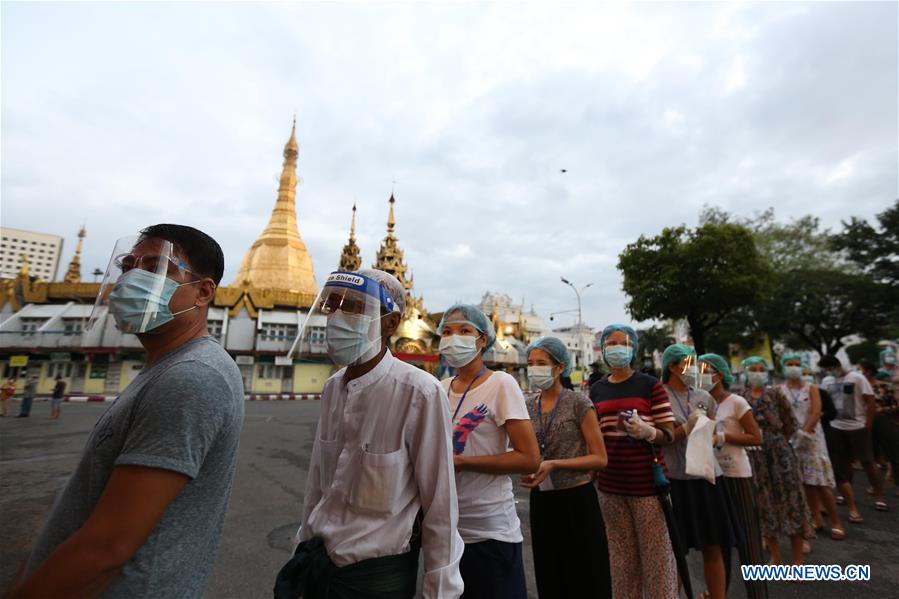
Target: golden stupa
{"type": "Point", "coordinates": [278, 260]}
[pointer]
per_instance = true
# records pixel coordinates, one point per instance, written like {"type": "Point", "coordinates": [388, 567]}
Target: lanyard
{"type": "Point", "coordinates": [541, 434]}
{"type": "Point", "coordinates": [467, 389]}
{"type": "Point", "coordinates": [793, 396]}
{"type": "Point", "coordinates": [680, 403]}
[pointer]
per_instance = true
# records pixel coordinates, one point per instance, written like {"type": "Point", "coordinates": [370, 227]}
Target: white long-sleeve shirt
{"type": "Point", "coordinates": [382, 451]}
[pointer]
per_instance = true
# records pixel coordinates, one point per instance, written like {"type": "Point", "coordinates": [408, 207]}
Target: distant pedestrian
{"type": "Point", "coordinates": [28, 397]}
{"type": "Point", "coordinates": [595, 375]}
{"type": "Point", "coordinates": [59, 390]}
{"type": "Point", "coordinates": [143, 512]}
{"type": "Point", "coordinates": [6, 392]}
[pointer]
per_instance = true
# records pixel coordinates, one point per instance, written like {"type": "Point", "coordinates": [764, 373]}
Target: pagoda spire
{"type": "Point", "coordinates": [278, 259]}
{"type": "Point", "coordinates": [73, 274]}
{"type": "Point", "coordinates": [350, 260]}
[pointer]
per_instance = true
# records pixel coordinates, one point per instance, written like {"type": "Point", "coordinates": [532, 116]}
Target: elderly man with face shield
{"type": "Point", "coordinates": [700, 507]}
{"type": "Point", "coordinates": [492, 438]}
{"type": "Point", "coordinates": [126, 524]}
{"type": "Point", "coordinates": [380, 485]}
{"type": "Point", "coordinates": [568, 537]}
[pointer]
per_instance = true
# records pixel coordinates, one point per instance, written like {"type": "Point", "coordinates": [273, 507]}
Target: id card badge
{"type": "Point", "coordinates": [547, 484]}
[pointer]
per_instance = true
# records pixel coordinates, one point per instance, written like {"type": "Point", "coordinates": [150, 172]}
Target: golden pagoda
{"type": "Point", "coordinates": [278, 260]}
{"type": "Point", "coordinates": [350, 260]}
{"type": "Point", "coordinates": [73, 274]}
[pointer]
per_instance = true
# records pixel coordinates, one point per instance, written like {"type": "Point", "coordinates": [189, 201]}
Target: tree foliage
{"type": "Point", "coordinates": [701, 275]}
{"type": "Point", "coordinates": [874, 250]}
{"type": "Point", "coordinates": [655, 338]}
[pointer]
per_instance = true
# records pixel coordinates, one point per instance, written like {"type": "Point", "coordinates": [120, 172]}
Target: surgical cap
{"type": "Point", "coordinates": [471, 315]}
{"type": "Point", "coordinates": [752, 361]}
{"type": "Point", "coordinates": [790, 356]}
{"type": "Point", "coordinates": [556, 349]}
{"type": "Point", "coordinates": [672, 355]}
{"type": "Point", "coordinates": [390, 284]}
{"type": "Point", "coordinates": [630, 332]}
{"type": "Point", "coordinates": [720, 364]}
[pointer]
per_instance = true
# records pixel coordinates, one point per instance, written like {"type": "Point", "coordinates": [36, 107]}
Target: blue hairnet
{"type": "Point", "coordinates": [672, 355]}
{"type": "Point", "coordinates": [753, 360]}
{"type": "Point", "coordinates": [471, 315]}
{"type": "Point", "coordinates": [556, 349]}
{"type": "Point", "coordinates": [720, 364]}
{"type": "Point", "coordinates": [630, 332]}
{"type": "Point", "coordinates": [791, 356]}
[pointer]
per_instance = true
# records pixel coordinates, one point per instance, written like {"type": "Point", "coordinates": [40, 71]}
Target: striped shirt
{"type": "Point", "coordinates": [630, 461]}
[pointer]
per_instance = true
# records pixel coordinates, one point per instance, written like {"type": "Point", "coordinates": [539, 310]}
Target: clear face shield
{"type": "Point", "coordinates": [617, 351]}
{"type": "Point", "coordinates": [706, 376]}
{"type": "Point", "coordinates": [138, 285]}
{"type": "Point", "coordinates": [689, 371]}
{"type": "Point", "coordinates": [345, 320]}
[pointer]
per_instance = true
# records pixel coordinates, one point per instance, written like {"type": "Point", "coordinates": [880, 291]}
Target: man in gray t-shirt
{"type": "Point", "coordinates": [142, 514]}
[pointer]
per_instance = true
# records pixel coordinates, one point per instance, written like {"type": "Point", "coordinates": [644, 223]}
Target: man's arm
{"type": "Point", "coordinates": [133, 502]}
{"type": "Point", "coordinates": [431, 453]}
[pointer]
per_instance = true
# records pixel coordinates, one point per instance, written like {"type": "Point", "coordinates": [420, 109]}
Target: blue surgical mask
{"type": "Point", "coordinates": [139, 301]}
{"type": "Point", "coordinates": [757, 379]}
{"type": "Point", "coordinates": [348, 337]}
{"type": "Point", "coordinates": [459, 350]}
{"type": "Point", "coordinates": [808, 378]}
{"type": "Point", "coordinates": [618, 356]}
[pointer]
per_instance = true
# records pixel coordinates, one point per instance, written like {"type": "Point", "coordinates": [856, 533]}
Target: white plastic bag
{"type": "Point", "coordinates": [700, 450]}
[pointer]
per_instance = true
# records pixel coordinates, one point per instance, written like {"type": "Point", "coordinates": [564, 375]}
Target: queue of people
{"type": "Point", "coordinates": [408, 469]}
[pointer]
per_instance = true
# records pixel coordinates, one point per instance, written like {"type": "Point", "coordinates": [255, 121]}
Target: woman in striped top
{"type": "Point", "coordinates": [634, 417]}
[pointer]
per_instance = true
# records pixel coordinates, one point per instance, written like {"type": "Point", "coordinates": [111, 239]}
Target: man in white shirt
{"type": "Point", "coordinates": [380, 480]}
{"type": "Point", "coordinates": [853, 399]}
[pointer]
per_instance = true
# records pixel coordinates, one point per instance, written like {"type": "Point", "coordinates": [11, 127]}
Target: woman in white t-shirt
{"type": "Point", "coordinates": [492, 438]}
{"type": "Point", "coordinates": [736, 429]}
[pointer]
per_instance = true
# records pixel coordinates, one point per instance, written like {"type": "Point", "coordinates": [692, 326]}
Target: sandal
{"type": "Point", "coordinates": [856, 518]}
{"type": "Point", "coordinates": [806, 547]}
{"type": "Point", "coordinates": [837, 534]}
{"type": "Point", "coordinates": [881, 506]}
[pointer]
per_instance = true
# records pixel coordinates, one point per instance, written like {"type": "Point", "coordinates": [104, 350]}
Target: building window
{"type": "Point", "coordinates": [31, 325]}
{"type": "Point", "coordinates": [268, 371]}
{"type": "Point", "coordinates": [72, 327]}
{"type": "Point", "coordinates": [63, 369]}
{"type": "Point", "coordinates": [278, 332]}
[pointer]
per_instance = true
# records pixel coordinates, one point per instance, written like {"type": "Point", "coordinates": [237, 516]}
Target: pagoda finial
{"type": "Point", "coordinates": [278, 259]}
{"type": "Point", "coordinates": [73, 274]}
{"type": "Point", "coordinates": [391, 221]}
{"type": "Point", "coordinates": [350, 259]}
{"type": "Point", "coordinates": [23, 267]}
{"type": "Point", "coordinates": [353, 224]}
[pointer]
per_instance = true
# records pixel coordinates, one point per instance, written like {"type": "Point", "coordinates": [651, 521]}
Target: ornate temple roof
{"type": "Point", "coordinates": [278, 260]}
{"type": "Point", "coordinates": [73, 274]}
{"type": "Point", "coordinates": [350, 259]}
{"type": "Point", "coordinates": [390, 260]}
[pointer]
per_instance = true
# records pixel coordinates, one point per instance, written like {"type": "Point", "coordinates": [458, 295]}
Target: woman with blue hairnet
{"type": "Point", "coordinates": [571, 556]}
{"type": "Point", "coordinates": [736, 429]}
{"type": "Point", "coordinates": [815, 469]}
{"type": "Point", "coordinates": [492, 438]}
{"type": "Point", "coordinates": [700, 508]}
{"type": "Point", "coordinates": [774, 466]}
{"type": "Point", "coordinates": [634, 417]}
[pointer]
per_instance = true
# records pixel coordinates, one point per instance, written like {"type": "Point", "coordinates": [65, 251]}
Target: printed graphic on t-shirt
{"type": "Point", "coordinates": [843, 396]}
{"type": "Point", "coordinates": [466, 425]}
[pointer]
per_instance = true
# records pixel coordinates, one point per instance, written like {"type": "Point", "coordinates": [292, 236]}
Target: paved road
{"type": "Point", "coordinates": [36, 457]}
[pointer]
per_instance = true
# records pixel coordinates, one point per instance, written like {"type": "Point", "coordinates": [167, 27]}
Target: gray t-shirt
{"type": "Point", "coordinates": [184, 414]}
{"type": "Point", "coordinates": [564, 438]}
{"type": "Point", "coordinates": [682, 405]}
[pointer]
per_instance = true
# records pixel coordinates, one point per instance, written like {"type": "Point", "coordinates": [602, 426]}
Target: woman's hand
{"type": "Point", "coordinates": [529, 481]}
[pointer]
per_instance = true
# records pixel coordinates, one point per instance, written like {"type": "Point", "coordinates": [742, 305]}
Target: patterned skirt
{"type": "Point", "coordinates": [815, 468]}
{"type": "Point", "coordinates": [781, 498]}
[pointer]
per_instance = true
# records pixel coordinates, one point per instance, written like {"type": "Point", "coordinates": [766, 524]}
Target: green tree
{"type": "Point", "coordinates": [874, 250]}
{"type": "Point", "coordinates": [816, 309]}
{"type": "Point", "coordinates": [655, 338]}
{"type": "Point", "coordinates": [701, 275]}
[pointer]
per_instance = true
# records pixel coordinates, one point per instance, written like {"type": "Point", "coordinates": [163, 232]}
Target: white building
{"type": "Point", "coordinates": [41, 249]}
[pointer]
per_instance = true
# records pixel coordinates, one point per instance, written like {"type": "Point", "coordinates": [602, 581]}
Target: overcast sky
{"type": "Point", "coordinates": [124, 115]}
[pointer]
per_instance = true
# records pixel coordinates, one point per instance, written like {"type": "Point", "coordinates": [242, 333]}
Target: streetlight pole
{"type": "Point", "coordinates": [580, 322]}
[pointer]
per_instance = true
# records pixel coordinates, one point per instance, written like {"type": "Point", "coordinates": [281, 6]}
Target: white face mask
{"type": "Point", "coordinates": [690, 377]}
{"type": "Point", "coordinates": [348, 340]}
{"type": "Point", "coordinates": [706, 382]}
{"type": "Point", "coordinates": [808, 378]}
{"type": "Point", "coordinates": [757, 379]}
{"type": "Point", "coordinates": [459, 350]}
{"type": "Point", "coordinates": [793, 372]}
{"type": "Point", "coordinates": [541, 377]}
